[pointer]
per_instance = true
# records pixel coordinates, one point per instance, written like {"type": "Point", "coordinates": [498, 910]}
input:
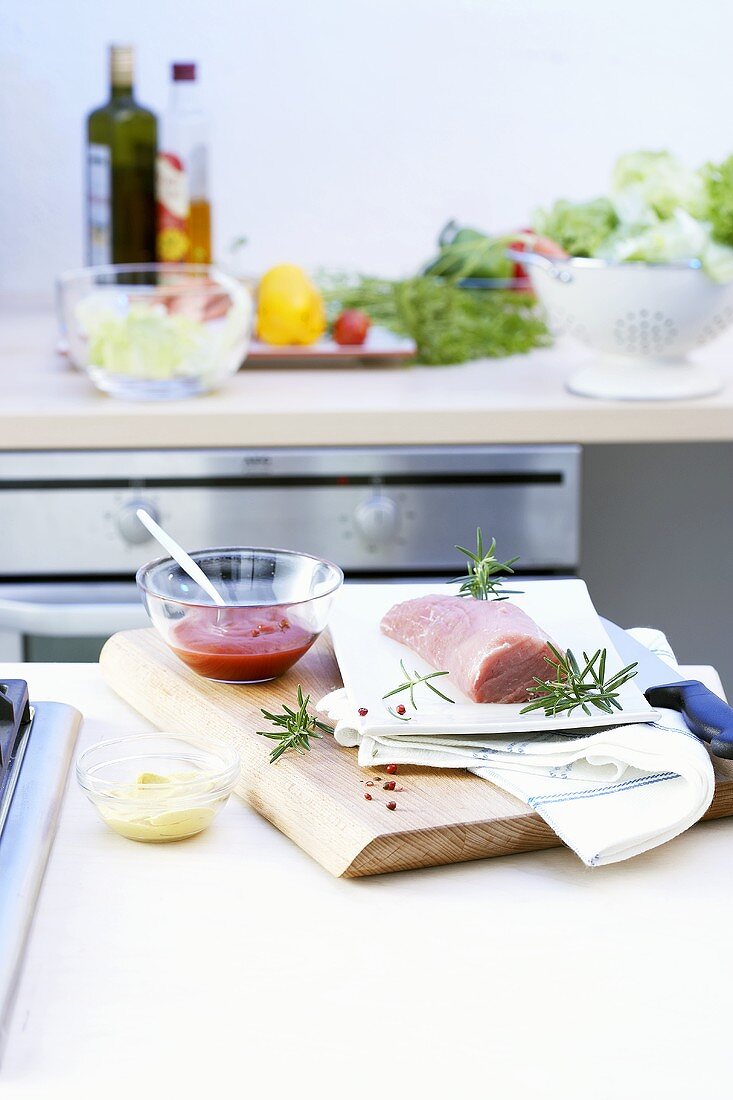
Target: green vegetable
{"type": "Point", "coordinates": [658, 211]}
{"type": "Point", "coordinates": [144, 340]}
{"type": "Point", "coordinates": [468, 254]}
{"type": "Point", "coordinates": [719, 191]}
{"type": "Point", "coordinates": [717, 262]}
{"type": "Point", "coordinates": [680, 237]}
{"type": "Point", "coordinates": [144, 343]}
{"type": "Point", "coordinates": [578, 227]}
{"type": "Point", "coordinates": [448, 324]}
{"type": "Point", "coordinates": [659, 182]}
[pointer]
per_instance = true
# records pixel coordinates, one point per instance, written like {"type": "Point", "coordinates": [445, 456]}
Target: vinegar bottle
{"type": "Point", "coordinates": [183, 207]}
{"type": "Point", "coordinates": [121, 146]}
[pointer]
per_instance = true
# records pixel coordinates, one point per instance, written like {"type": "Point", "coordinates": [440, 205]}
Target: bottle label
{"type": "Point", "coordinates": [100, 204]}
{"type": "Point", "coordinates": [173, 208]}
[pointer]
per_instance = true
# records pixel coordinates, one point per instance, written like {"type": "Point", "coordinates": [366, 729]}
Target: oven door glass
{"type": "Point", "coordinates": [65, 621]}
{"type": "Point", "coordinates": [36, 647]}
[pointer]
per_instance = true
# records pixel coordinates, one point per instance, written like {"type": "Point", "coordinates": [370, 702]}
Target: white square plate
{"type": "Point", "coordinates": [370, 663]}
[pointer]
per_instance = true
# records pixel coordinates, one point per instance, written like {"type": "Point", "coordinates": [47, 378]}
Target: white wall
{"type": "Point", "coordinates": [348, 131]}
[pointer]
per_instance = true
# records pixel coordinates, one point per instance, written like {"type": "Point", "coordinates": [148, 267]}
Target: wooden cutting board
{"type": "Point", "coordinates": [318, 799]}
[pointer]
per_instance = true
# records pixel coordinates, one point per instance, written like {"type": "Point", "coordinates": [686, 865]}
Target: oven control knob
{"type": "Point", "coordinates": [130, 526]}
{"type": "Point", "coordinates": [377, 520]}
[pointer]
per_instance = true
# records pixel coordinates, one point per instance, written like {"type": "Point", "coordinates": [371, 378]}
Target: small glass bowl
{"type": "Point", "coordinates": [157, 787]}
{"type": "Point", "coordinates": [150, 331]}
{"type": "Point", "coordinates": [278, 602]}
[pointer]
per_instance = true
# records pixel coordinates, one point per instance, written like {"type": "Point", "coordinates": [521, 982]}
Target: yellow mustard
{"type": "Point", "coordinates": [149, 809]}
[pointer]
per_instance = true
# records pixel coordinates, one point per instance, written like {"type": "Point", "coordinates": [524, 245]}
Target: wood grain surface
{"type": "Point", "coordinates": [318, 799]}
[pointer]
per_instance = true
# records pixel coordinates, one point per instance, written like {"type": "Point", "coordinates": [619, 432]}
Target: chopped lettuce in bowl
{"type": "Point", "coordinates": [658, 210]}
{"type": "Point", "coordinates": [144, 341]}
{"type": "Point", "coordinates": [149, 332]}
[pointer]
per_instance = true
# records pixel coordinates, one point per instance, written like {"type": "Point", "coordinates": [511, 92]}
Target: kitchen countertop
{"type": "Point", "coordinates": [47, 405]}
{"type": "Point", "coordinates": [173, 969]}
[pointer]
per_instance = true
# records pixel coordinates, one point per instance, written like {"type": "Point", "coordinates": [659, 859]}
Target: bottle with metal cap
{"type": "Point", "coordinates": [121, 149]}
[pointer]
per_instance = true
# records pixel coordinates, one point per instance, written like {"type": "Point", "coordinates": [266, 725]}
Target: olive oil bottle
{"type": "Point", "coordinates": [121, 150]}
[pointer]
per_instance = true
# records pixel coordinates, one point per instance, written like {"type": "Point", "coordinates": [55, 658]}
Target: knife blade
{"type": "Point", "coordinates": [705, 713]}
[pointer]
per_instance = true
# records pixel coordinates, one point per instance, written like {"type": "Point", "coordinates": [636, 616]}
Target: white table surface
{"type": "Point", "coordinates": [234, 961]}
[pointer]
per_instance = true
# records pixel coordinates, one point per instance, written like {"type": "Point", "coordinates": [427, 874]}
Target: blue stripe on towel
{"type": "Point", "coordinates": [675, 729]}
{"type": "Point", "coordinates": [614, 788]}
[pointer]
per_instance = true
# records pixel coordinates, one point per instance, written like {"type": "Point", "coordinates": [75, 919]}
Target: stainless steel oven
{"type": "Point", "coordinates": [71, 541]}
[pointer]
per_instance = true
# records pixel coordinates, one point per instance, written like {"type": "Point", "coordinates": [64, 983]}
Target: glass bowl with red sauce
{"type": "Point", "coordinates": [277, 603]}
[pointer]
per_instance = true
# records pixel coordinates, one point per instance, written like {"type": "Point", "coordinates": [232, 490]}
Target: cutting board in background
{"type": "Point", "coordinates": [381, 347]}
{"type": "Point", "coordinates": [318, 799]}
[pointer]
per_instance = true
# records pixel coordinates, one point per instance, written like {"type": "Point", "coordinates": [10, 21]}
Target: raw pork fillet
{"type": "Point", "coordinates": [491, 649]}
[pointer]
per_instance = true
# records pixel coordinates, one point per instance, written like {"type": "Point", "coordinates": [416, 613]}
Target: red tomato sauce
{"type": "Point", "coordinates": [240, 645]}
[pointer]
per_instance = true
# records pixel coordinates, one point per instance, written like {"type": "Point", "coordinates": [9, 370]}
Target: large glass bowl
{"type": "Point", "coordinates": [278, 602]}
{"type": "Point", "coordinates": [147, 331]}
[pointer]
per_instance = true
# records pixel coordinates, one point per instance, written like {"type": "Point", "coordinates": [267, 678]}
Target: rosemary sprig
{"type": "Point", "coordinates": [293, 728]}
{"type": "Point", "coordinates": [411, 682]}
{"type": "Point", "coordinates": [483, 580]}
{"type": "Point", "coordinates": [576, 686]}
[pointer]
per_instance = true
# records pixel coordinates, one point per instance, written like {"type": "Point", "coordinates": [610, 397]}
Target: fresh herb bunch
{"type": "Point", "coordinates": [411, 682]}
{"type": "Point", "coordinates": [293, 728]}
{"type": "Point", "coordinates": [448, 323]}
{"type": "Point", "coordinates": [486, 574]}
{"type": "Point", "coordinates": [576, 686]}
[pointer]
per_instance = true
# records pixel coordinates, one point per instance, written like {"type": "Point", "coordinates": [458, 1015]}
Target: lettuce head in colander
{"type": "Point", "coordinates": [658, 210]}
{"type": "Point", "coordinates": [659, 182]}
{"type": "Point", "coordinates": [578, 227]}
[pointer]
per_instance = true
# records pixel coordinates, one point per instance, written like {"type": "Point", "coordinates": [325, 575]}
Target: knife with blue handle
{"type": "Point", "coordinates": [704, 712]}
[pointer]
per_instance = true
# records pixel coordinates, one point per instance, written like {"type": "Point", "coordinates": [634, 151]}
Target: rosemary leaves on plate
{"type": "Point", "coordinates": [575, 685]}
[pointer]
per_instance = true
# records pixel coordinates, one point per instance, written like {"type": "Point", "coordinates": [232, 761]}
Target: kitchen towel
{"type": "Point", "coordinates": [608, 795]}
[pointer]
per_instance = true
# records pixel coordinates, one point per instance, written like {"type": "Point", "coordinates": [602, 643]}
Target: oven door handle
{"type": "Point", "coordinates": [70, 610]}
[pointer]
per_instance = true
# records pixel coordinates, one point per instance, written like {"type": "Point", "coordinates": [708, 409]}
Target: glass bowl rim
{"type": "Point", "coordinates": [223, 281]}
{"type": "Point", "coordinates": [222, 778]}
{"type": "Point", "coordinates": [149, 566]}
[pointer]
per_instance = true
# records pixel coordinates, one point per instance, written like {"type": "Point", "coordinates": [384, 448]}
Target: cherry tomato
{"type": "Point", "coordinates": [351, 327]}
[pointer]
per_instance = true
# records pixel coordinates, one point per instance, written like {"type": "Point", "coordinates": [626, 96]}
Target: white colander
{"type": "Point", "coordinates": [641, 319]}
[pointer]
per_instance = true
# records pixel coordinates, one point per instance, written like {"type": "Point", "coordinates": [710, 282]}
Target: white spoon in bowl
{"type": "Point", "coordinates": [186, 562]}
